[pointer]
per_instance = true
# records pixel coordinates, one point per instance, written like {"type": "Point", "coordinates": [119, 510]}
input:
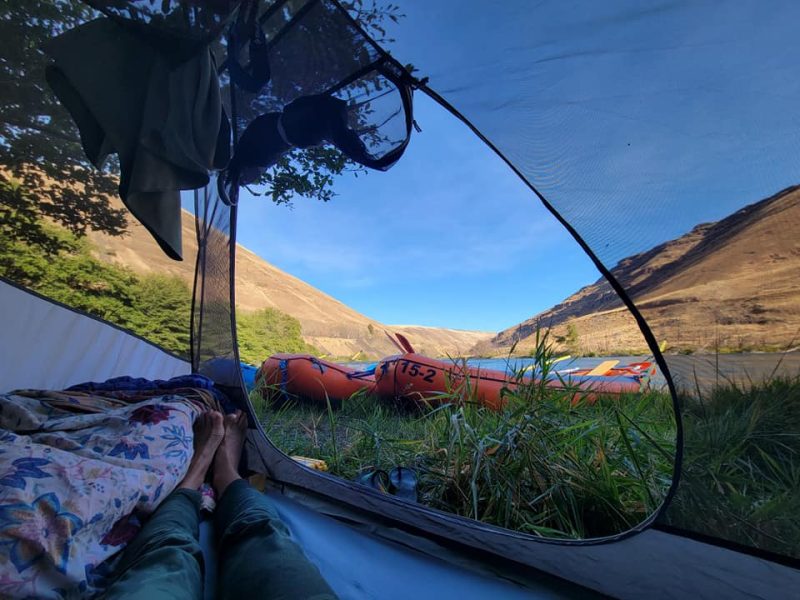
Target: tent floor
{"type": "Point", "coordinates": [359, 566]}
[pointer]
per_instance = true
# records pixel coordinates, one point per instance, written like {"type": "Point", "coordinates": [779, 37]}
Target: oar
{"type": "Point", "coordinates": [401, 342]}
{"type": "Point", "coordinates": [405, 343]}
{"type": "Point", "coordinates": [603, 368]}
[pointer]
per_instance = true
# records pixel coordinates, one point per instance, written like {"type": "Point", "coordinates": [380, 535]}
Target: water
{"type": "Point", "coordinates": [704, 371]}
{"type": "Point", "coordinates": [689, 372]}
{"type": "Point", "coordinates": [564, 367]}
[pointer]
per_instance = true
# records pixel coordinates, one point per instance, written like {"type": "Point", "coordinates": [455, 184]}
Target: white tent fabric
{"type": "Point", "coordinates": [49, 346]}
{"type": "Point", "coordinates": [652, 564]}
{"type": "Point", "coordinates": [357, 565]}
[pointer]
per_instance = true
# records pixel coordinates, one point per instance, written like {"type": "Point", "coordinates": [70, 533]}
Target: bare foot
{"type": "Point", "coordinates": [226, 462]}
{"type": "Point", "coordinates": [209, 431]}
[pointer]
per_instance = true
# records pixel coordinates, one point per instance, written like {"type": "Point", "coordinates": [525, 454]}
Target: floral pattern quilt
{"type": "Point", "coordinates": [76, 473]}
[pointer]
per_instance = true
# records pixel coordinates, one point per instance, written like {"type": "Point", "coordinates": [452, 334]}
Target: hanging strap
{"type": "Point", "coordinates": [257, 73]}
{"type": "Point", "coordinates": [284, 366]}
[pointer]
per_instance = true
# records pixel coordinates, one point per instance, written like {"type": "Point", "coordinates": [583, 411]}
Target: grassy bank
{"type": "Point", "coordinates": [548, 467]}
{"type": "Point", "coordinates": [543, 465]}
{"type": "Point", "coordinates": [741, 466]}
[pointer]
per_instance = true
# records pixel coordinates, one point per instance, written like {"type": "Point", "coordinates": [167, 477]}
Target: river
{"type": "Point", "coordinates": [688, 371]}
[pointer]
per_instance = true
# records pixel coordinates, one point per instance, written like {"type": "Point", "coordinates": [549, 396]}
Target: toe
{"type": "Point", "coordinates": [231, 418]}
{"type": "Point", "coordinates": [217, 423]}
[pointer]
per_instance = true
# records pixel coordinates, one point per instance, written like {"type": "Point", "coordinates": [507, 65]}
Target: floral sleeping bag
{"type": "Point", "coordinates": [76, 472]}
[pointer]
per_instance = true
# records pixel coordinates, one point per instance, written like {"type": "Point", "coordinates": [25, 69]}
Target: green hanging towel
{"type": "Point", "coordinates": [162, 116]}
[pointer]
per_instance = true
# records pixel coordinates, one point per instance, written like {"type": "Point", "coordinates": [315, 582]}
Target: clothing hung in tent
{"type": "Point", "coordinates": [161, 113]}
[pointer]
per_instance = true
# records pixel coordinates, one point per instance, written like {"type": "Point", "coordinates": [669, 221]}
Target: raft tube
{"type": "Point", "coordinates": [312, 379]}
{"type": "Point", "coordinates": [625, 379]}
{"type": "Point", "coordinates": [417, 378]}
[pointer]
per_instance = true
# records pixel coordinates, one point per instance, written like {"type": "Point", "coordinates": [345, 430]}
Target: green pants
{"type": "Point", "coordinates": [257, 558]}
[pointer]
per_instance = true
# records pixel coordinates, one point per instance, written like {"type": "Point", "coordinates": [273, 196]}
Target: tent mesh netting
{"type": "Point", "coordinates": [665, 139]}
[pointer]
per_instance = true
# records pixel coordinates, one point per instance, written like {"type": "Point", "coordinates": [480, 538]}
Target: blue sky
{"type": "Point", "coordinates": [448, 237]}
{"type": "Point", "coordinates": [637, 124]}
{"type": "Point", "coordinates": [636, 120]}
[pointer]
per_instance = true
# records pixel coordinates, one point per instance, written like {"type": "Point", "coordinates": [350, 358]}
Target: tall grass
{"type": "Point", "coordinates": [550, 467]}
{"type": "Point", "coordinates": [544, 465]}
{"type": "Point", "coordinates": [741, 466]}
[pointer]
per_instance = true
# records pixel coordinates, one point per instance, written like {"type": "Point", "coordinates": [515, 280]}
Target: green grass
{"type": "Point", "coordinates": [543, 465]}
{"type": "Point", "coordinates": [551, 468]}
{"type": "Point", "coordinates": [741, 467]}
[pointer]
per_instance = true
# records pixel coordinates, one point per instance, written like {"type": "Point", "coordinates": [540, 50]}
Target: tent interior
{"type": "Point", "coordinates": [663, 140]}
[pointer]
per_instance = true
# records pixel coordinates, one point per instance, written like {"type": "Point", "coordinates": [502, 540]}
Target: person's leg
{"type": "Point", "coordinates": [164, 560]}
{"type": "Point", "coordinates": [258, 558]}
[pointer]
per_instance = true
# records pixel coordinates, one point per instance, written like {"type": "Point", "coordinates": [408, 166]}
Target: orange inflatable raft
{"type": "Point", "coordinates": [414, 377]}
{"type": "Point", "coordinates": [310, 378]}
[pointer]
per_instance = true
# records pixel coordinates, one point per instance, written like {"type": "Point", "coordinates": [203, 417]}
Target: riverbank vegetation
{"type": "Point", "coordinates": [741, 464]}
{"type": "Point", "coordinates": [544, 465]}
{"type": "Point", "coordinates": [552, 468]}
{"type": "Point", "coordinates": [64, 267]}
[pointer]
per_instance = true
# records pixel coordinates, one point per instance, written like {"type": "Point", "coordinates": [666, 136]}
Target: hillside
{"type": "Point", "coordinates": [729, 285]}
{"type": "Point", "coordinates": [326, 323]}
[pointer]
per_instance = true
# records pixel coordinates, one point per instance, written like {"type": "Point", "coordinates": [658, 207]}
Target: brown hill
{"type": "Point", "coordinates": [729, 285]}
{"type": "Point", "coordinates": [326, 323]}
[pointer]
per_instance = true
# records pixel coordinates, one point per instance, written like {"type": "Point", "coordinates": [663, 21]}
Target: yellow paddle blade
{"type": "Point", "coordinates": [603, 368]}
